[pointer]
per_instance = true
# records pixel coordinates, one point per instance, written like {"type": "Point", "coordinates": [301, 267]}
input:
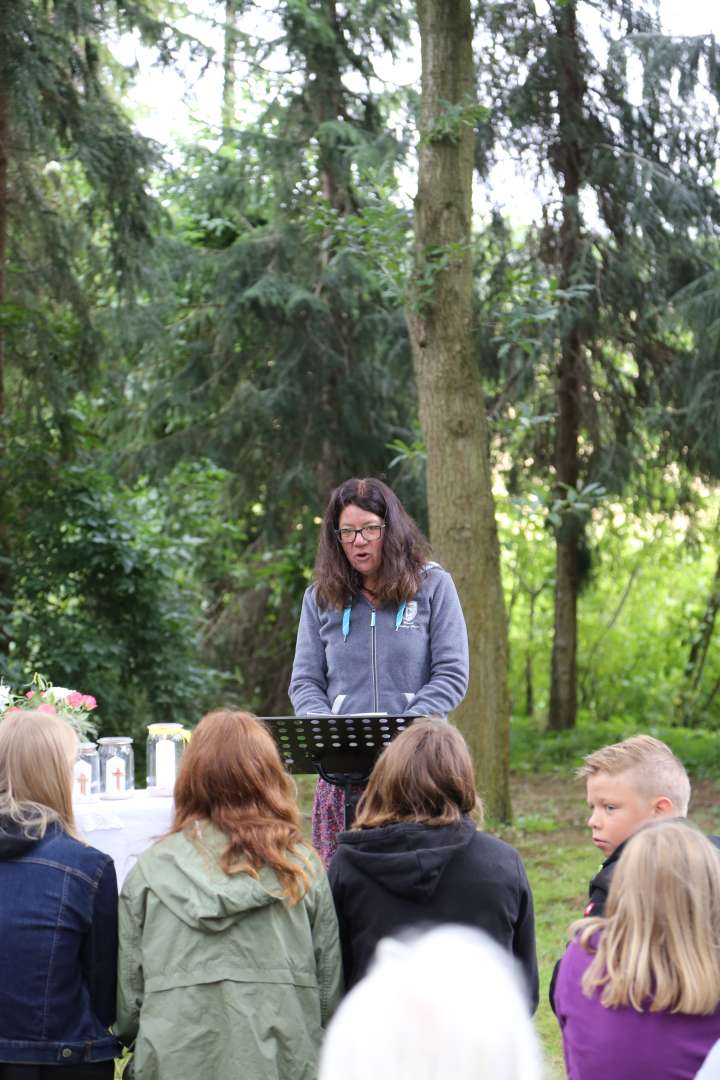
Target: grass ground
{"type": "Point", "coordinates": [551, 834]}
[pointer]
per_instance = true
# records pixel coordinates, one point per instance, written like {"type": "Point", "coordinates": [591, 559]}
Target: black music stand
{"type": "Point", "coordinates": [341, 748]}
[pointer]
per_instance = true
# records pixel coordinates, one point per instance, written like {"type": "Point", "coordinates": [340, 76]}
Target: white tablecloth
{"type": "Point", "coordinates": [124, 827]}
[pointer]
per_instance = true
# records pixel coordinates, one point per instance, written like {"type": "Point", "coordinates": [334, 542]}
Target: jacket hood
{"type": "Point", "coordinates": [13, 841]}
{"type": "Point", "coordinates": [406, 859]}
{"type": "Point", "coordinates": [184, 872]}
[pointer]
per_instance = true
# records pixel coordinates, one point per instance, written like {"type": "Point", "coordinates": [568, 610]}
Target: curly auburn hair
{"type": "Point", "coordinates": [231, 775]}
{"type": "Point", "coordinates": [405, 549]}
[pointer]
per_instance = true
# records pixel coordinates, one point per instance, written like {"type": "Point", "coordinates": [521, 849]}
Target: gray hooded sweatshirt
{"type": "Point", "coordinates": [412, 660]}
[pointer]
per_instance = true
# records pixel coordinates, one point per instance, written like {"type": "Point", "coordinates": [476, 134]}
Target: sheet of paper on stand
{"type": "Point", "coordinates": [124, 828]}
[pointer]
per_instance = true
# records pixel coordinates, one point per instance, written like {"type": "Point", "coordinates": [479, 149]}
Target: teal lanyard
{"type": "Point", "coordinates": [348, 612]}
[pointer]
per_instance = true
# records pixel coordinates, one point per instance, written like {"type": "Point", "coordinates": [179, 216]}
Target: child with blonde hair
{"type": "Point", "coordinates": [638, 990]}
{"type": "Point", "coordinates": [58, 914]}
{"type": "Point", "coordinates": [629, 784]}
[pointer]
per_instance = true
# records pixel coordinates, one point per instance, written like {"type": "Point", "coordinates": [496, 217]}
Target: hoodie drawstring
{"type": "Point", "coordinates": [348, 612]}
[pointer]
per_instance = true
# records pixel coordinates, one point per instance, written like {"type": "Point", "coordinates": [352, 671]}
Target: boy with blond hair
{"type": "Point", "coordinates": [629, 784]}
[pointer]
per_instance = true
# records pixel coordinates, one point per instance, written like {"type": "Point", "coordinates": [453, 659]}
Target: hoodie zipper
{"type": "Point", "coordinates": [373, 660]}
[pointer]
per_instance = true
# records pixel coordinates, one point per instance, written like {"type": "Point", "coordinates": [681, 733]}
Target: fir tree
{"type": "Point", "coordinates": [630, 198]}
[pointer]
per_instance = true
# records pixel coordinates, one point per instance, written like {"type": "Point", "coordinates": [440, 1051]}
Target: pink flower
{"type": "Point", "coordinates": [30, 694]}
{"type": "Point", "coordinates": [46, 707]}
{"type": "Point", "coordinates": [75, 700]}
{"type": "Point", "coordinates": [88, 702]}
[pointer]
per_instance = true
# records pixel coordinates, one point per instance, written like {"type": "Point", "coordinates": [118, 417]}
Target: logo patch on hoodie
{"type": "Point", "coordinates": [410, 612]}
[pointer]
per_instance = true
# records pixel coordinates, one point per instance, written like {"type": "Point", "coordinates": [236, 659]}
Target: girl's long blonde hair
{"type": "Point", "coordinates": [37, 750]}
{"type": "Point", "coordinates": [659, 942]}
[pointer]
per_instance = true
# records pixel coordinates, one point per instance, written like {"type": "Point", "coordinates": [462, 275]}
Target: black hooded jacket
{"type": "Point", "coordinates": [409, 875]}
{"type": "Point", "coordinates": [600, 884]}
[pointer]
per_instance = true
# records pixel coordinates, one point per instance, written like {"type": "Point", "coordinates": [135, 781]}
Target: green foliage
{"type": "Point", "coordinates": [63, 109]}
{"type": "Point", "coordinates": [535, 823]}
{"type": "Point", "coordinates": [454, 115]}
{"type": "Point", "coordinates": [275, 348]}
{"type": "Point", "coordinates": [99, 596]}
{"type": "Point", "coordinates": [644, 211]}
{"type": "Point", "coordinates": [170, 456]}
{"type": "Point", "coordinates": [643, 603]}
{"type": "Point", "coordinates": [379, 233]}
{"type": "Point", "coordinates": [534, 750]}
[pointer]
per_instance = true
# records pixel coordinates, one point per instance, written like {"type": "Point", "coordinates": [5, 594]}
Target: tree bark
{"type": "Point", "coordinates": [230, 42]}
{"type": "Point", "coordinates": [325, 94]}
{"type": "Point", "coordinates": [701, 645]}
{"type": "Point", "coordinates": [691, 710]}
{"type": "Point", "coordinates": [4, 157]}
{"type": "Point", "coordinates": [533, 595]}
{"type": "Point", "coordinates": [450, 397]}
{"type": "Point", "coordinates": [5, 573]}
{"type": "Point", "coordinates": [568, 158]}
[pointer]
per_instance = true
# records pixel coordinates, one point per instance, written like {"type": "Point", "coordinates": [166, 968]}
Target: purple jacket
{"type": "Point", "coordinates": [622, 1044]}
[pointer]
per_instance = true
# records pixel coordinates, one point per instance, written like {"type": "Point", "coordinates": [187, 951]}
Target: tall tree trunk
{"type": "Point", "coordinates": [4, 156]}
{"type": "Point", "coordinates": [5, 575]}
{"type": "Point", "coordinates": [703, 636]}
{"type": "Point", "coordinates": [691, 708]}
{"type": "Point", "coordinates": [326, 96]}
{"type": "Point", "coordinates": [452, 409]}
{"type": "Point", "coordinates": [230, 43]}
{"type": "Point", "coordinates": [563, 679]}
{"type": "Point", "coordinates": [530, 654]}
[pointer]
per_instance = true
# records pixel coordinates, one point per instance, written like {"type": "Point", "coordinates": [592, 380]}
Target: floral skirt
{"type": "Point", "coordinates": [328, 817]}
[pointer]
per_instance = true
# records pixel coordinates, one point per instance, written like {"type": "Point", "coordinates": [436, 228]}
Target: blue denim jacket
{"type": "Point", "coordinates": [58, 949]}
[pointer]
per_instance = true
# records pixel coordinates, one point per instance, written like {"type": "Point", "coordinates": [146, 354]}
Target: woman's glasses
{"type": "Point", "coordinates": [346, 535]}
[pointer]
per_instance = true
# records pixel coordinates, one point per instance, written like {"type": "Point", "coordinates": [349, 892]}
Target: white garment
{"type": "Point", "coordinates": [124, 828]}
{"type": "Point", "coordinates": [711, 1066]}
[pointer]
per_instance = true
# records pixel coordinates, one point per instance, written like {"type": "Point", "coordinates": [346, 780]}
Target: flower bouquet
{"type": "Point", "coordinates": [44, 697]}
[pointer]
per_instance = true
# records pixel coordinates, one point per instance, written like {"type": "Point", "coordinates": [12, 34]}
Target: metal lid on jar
{"type": "Point", "coordinates": [164, 729]}
{"type": "Point", "coordinates": [86, 747]}
{"type": "Point", "coordinates": [114, 740]}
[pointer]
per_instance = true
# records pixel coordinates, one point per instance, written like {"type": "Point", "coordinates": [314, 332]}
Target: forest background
{"type": "Point", "coordinates": [200, 337]}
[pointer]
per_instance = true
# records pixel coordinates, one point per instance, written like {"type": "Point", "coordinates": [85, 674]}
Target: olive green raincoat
{"type": "Point", "coordinates": [219, 977]}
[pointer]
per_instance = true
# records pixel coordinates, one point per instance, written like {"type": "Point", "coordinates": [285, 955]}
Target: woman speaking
{"type": "Point", "coordinates": [381, 628]}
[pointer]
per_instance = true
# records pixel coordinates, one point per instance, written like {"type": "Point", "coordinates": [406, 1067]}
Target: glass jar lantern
{"type": "Point", "coordinates": [86, 773]}
{"type": "Point", "coordinates": [117, 767]}
{"type": "Point", "coordinates": [165, 744]}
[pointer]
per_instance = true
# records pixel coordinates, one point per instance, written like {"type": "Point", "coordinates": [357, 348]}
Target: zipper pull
{"type": "Point", "coordinates": [372, 617]}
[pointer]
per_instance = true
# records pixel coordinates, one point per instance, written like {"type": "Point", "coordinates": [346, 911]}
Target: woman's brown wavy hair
{"type": "Point", "coordinates": [405, 549]}
{"type": "Point", "coordinates": [424, 776]}
{"type": "Point", "coordinates": [232, 776]}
